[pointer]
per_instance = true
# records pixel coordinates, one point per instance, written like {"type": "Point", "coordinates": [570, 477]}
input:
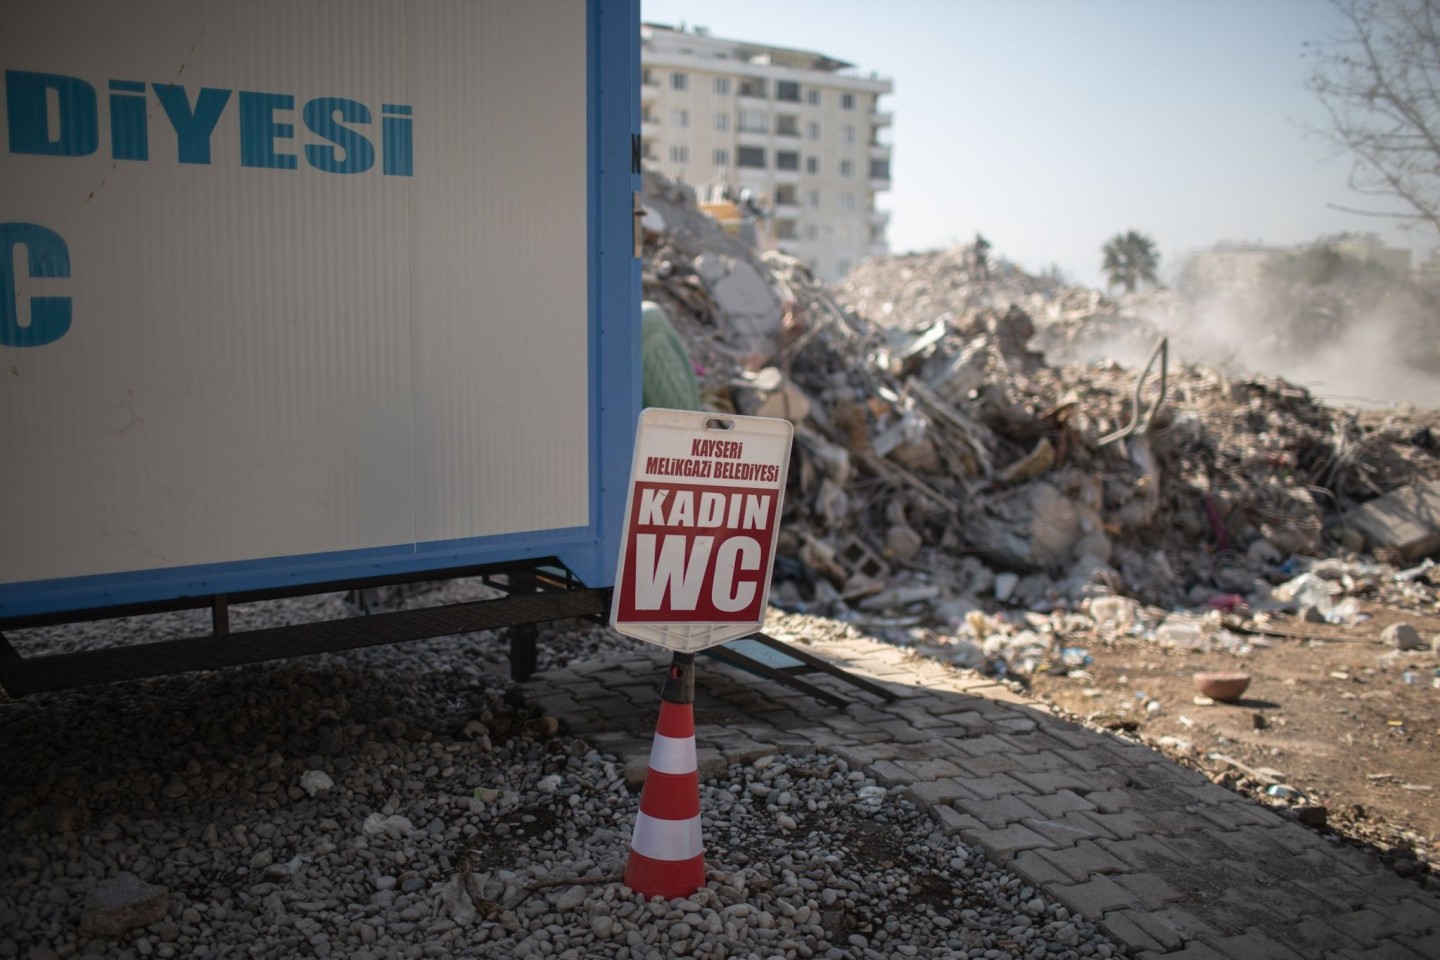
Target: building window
{"type": "Point", "coordinates": [812, 165]}
{"type": "Point", "coordinates": [815, 198]}
{"type": "Point", "coordinates": [754, 121]}
{"type": "Point", "coordinates": [722, 122]}
{"type": "Point", "coordinates": [787, 90]}
{"type": "Point", "coordinates": [721, 157]}
{"type": "Point", "coordinates": [812, 97]}
{"type": "Point", "coordinates": [750, 157]}
{"type": "Point", "coordinates": [847, 168]}
{"type": "Point", "coordinates": [812, 130]}
{"type": "Point", "coordinates": [752, 87]}
{"type": "Point", "coordinates": [847, 134]}
{"type": "Point", "coordinates": [722, 86]}
{"type": "Point", "coordinates": [787, 160]}
{"type": "Point", "coordinates": [679, 81]}
{"type": "Point", "coordinates": [847, 101]}
{"type": "Point", "coordinates": [787, 125]}
{"type": "Point", "coordinates": [679, 154]}
{"type": "Point", "coordinates": [785, 230]}
{"type": "Point", "coordinates": [785, 194]}
{"type": "Point", "coordinates": [879, 169]}
{"type": "Point", "coordinates": [680, 118]}
{"type": "Point", "coordinates": [847, 201]}
{"type": "Point", "coordinates": [647, 77]}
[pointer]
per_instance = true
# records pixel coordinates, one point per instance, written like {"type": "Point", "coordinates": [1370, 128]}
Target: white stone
{"type": "Point", "coordinates": [315, 782]}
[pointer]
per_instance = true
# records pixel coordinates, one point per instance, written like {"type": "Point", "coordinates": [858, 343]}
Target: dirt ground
{"type": "Point", "coordinates": [1333, 718]}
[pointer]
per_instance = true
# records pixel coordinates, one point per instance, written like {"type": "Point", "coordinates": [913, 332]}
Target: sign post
{"type": "Point", "coordinates": [701, 518]}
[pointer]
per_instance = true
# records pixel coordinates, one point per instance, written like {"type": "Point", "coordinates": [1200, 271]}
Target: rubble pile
{"type": "Point", "coordinates": [947, 476]}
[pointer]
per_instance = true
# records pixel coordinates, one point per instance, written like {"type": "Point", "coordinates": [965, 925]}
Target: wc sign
{"type": "Point", "coordinates": [701, 520]}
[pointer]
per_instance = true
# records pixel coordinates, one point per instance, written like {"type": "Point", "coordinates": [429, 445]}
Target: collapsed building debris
{"type": "Point", "coordinates": [954, 488]}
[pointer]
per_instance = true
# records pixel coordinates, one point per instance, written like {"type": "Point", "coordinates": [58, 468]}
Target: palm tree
{"type": "Point", "coordinates": [1130, 258]}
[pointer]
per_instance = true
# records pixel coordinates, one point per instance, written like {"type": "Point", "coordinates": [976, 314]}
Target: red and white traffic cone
{"type": "Point", "coordinates": [667, 857]}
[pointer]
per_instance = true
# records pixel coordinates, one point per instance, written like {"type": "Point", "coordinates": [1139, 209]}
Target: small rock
{"type": "Point", "coordinates": [316, 781]}
{"type": "Point", "coordinates": [121, 903]}
{"type": "Point", "coordinates": [569, 899]}
{"type": "Point", "coordinates": [1402, 636]}
{"type": "Point", "coordinates": [1311, 614]}
{"type": "Point", "coordinates": [393, 826]}
{"type": "Point", "coordinates": [540, 728]}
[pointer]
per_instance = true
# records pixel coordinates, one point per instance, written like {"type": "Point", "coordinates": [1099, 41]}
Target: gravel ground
{"type": "Point", "coordinates": [400, 802]}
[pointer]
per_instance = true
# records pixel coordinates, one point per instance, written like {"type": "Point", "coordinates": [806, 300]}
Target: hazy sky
{"type": "Point", "coordinates": [1051, 125]}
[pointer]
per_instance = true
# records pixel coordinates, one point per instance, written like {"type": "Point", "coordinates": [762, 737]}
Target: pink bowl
{"type": "Point", "coordinates": [1222, 685]}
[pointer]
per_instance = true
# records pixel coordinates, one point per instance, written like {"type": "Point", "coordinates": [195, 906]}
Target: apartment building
{"type": "Point", "coordinates": [805, 133]}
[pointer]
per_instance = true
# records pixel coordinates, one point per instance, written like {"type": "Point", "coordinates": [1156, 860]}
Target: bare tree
{"type": "Point", "coordinates": [1380, 84]}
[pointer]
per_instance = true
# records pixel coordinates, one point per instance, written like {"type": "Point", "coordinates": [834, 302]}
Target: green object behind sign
{"type": "Point", "coordinates": [667, 379]}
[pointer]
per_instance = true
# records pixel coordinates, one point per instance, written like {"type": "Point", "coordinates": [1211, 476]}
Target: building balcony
{"type": "Point", "coordinates": [882, 118]}
{"type": "Point", "coordinates": [879, 218]}
{"type": "Point", "coordinates": [649, 128]}
{"type": "Point", "coordinates": [877, 183]}
{"type": "Point", "coordinates": [788, 210]}
{"type": "Point", "coordinates": [752, 138]}
{"type": "Point", "coordinates": [787, 176]}
{"type": "Point", "coordinates": [880, 151]}
{"type": "Point", "coordinates": [649, 91]}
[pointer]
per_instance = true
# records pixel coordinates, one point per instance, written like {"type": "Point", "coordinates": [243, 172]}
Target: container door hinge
{"type": "Point", "coordinates": [638, 212]}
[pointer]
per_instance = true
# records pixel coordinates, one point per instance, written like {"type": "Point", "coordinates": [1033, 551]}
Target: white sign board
{"type": "Point", "coordinates": [701, 519]}
{"type": "Point", "coordinates": [285, 280]}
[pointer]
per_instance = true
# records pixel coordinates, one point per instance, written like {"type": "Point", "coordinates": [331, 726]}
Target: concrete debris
{"type": "Point", "coordinates": [1407, 520]}
{"type": "Point", "coordinates": [946, 465]}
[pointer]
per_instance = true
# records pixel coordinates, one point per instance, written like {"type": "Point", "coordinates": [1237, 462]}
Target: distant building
{"type": "Point", "coordinates": [1235, 267]}
{"type": "Point", "coordinates": [1231, 266]}
{"type": "Point", "coordinates": [1369, 248]}
{"type": "Point", "coordinates": [801, 131]}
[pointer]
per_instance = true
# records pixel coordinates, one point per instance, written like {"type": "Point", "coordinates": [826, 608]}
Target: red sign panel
{"type": "Point", "coordinates": [697, 553]}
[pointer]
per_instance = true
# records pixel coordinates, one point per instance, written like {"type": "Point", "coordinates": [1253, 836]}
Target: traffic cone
{"type": "Point", "coordinates": [667, 858]}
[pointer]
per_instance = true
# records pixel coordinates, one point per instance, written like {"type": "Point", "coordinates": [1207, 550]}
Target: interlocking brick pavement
{"type": "Point", "coordinates": [1164, 861]}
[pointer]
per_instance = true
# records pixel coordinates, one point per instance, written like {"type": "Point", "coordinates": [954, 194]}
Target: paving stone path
{"type": "Point", "coordinates": [1154, 853]}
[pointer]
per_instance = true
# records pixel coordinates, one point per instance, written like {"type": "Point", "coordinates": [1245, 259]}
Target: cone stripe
{"type": "Point", "coordinates": [665, 878]}
{"type": "Point", "coordinates": [673, 754]}
{"type": "Point", "coordinates": [669, 840]}
{"type": "Point", "coordinates": [677, 720]}
{"type": "Point", "coordinates": [671, 796]}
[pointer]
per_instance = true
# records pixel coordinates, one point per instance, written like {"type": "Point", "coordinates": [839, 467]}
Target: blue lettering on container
{"type": "Point", "coordinates": [193, 126]}
{"type": "Point", "coordinates": [36, 126]}
{"type": "Point", "coordinates": [399, 147]}
{"type": "Point", "coordinates": [129, 135]}
{"type": "Point", "coordinates": [46, 256]}
{"type": "Point", "coordinates": [321, 118]}
{"type": "Point", "coordinates": [259, 130]}
{"type": "Point", "coordinates": [27, 98]}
